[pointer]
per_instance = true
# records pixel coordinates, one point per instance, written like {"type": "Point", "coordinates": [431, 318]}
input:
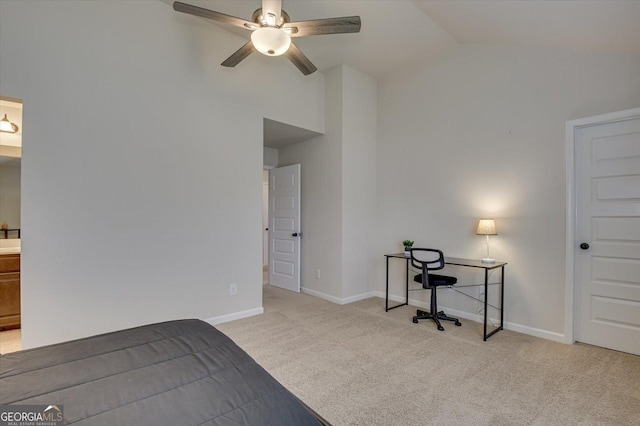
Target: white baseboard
{"type": "Point", "coordinates": [338, 300]}
{"type": "Point", "coordinates": [536, 332]}
{"type": "Point", "coordinates": [531, 331]}
{"type": "Point", "coordinates": [235, 316]}
{"type": "Point", "coordinates": [320, 295]}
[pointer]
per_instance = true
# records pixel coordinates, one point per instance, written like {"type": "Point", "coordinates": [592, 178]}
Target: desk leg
{"type": "Point", "coordinates": [406, 283]}
{"type": "Point", "coordinates": [386, 300]}
{"type": "Point", "coordinates": [501, 305]}
{"type": "Point", "coordinates": [502, 298]}
{"type": "Point", "coordinates": [486, 296]}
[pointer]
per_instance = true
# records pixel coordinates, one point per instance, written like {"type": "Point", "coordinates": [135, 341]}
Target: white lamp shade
{"type": "Point", "coordinates": [486, 227]}
{"type": "Point", "coordinates": [270, 41]}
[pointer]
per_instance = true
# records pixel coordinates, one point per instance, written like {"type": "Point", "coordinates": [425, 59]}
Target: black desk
{"type": "Point", "coordinates": [471, 263]}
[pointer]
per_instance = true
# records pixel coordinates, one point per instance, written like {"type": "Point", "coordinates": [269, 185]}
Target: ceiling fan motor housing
{"type": "Point", "coordinates": [261, 20]}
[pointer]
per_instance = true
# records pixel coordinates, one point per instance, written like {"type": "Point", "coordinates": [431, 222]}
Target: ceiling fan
{"type": "Point", "coordinates": [272, 31]}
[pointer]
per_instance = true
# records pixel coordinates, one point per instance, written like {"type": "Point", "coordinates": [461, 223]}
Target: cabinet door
{"type": "Point", "coordinates": [9, 300]}
{"type": "Point", "coordinates": [9, 263]}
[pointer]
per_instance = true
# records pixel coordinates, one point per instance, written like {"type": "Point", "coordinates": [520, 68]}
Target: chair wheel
{"type": "Point", "coordinates": [441, 328]}
{"type": "Point", "coordinates": [415, 320]}
{"type": "Point", "coordinates": [458, 323]}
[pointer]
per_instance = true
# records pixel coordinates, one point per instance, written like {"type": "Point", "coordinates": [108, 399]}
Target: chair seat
{"type": "Point", "coordinates": [437, 280]}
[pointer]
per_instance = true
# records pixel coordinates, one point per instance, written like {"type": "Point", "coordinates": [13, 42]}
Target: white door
{"type": "Point", "coordinates": [284, 227]}
{"type": "Point", "coordinates": [265, 224]}
{"type": "Point", "coordinates": [607, 252]}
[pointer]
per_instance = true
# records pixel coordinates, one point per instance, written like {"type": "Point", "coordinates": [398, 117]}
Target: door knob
{"type": "Point", "coordinates": [584, 246]}
{"type": "Point", "coordinates": [297, 234]}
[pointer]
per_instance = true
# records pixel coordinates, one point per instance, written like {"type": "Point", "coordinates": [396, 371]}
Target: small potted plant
{"type": "Point", "coordinates": [407, 246]}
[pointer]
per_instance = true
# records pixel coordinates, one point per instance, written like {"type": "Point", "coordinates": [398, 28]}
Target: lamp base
{"type": "Point", "coordinates": [487, 260]}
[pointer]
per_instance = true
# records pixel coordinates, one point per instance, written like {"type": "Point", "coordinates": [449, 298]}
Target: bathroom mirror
{"type": "Point", "coordinates": [10, 197]}
{"type": "Point", "coordinates": [10, 168]}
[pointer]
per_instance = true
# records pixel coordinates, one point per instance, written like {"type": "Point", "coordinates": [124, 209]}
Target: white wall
{"type": "Point", "coordinates": [321, 196]}
{"type": "Point", "coordinates": [270, 157]}
{"type": "Point", "coordinates": [480, 133]}
{"type": "Point", "coordinates": [359, 143]}
{"type": "Point", "coordinates": [142, 162]}
{"type": "Point", "coordinates": [338, 190]}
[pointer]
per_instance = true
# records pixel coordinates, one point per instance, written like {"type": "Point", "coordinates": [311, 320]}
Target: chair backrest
{"type": "Point", "coordinates": [427, 259]}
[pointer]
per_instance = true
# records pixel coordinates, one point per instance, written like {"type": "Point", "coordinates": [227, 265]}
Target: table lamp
{"type": "Point", "coordinates": [487, 227]}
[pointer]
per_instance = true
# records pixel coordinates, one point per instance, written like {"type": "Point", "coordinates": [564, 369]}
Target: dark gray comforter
{"type": "Point", "coordinates": [174, 373]}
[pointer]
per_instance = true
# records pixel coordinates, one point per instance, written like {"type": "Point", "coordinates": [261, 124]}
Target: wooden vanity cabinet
{"type": "Point", "coordinates": [9, 291]}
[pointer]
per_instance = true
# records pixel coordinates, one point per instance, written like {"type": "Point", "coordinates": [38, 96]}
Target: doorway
{"type": "Point", "coordinates": [603, 243]}
{"type": "Point", "coordinates": [277, 137]}
{"type": "Point", "coordinates": [10, 220]}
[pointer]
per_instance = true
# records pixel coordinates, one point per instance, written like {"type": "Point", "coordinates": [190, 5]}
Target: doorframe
{"type": "Point", "coordinates": [571, 218]}
{"type": "Point", "coordinates": [267, 167]}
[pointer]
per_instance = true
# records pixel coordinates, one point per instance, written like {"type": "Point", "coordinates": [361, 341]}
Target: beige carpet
{"type": "Point", "coordinates": [357, 365]}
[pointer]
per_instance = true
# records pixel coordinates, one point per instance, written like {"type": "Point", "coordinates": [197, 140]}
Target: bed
{"type": "Point", "coordinates": [174, 373]}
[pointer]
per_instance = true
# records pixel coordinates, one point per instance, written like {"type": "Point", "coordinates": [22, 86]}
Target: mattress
{"type": "Point", "coordinates": [174, 373]}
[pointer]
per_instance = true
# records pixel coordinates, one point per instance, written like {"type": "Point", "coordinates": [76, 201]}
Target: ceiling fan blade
{"type": "Point", "coordinates": [346, 24]}
{"type": "Point", "coordinates": [272, 8]}
{"type": "Point", "coordinates": [239, 55]}
{"type": "Point", "coordinates": [210, 14]}
{"type": "Point", "coordinates": [299, 60]}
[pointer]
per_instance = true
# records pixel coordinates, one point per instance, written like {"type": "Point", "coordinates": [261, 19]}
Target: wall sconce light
{"type": "Point", "coordinates": [7, 126]}
{"type": "Point", "coordinates": [487, 227]}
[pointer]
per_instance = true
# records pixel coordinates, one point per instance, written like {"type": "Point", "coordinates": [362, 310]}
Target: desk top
{"type": "Point", "coordinates": [474, 263]}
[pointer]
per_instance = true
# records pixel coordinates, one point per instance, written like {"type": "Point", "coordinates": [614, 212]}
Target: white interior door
{"type": "Point", "coordinates": [607, 271]}
{"type": "Point", "coordinates": [265, 224]}
{"type": "Point", "coordinates": [284, 227]}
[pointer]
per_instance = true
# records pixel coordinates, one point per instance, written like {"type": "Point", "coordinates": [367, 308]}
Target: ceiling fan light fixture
{"type": "Point", "coordinates": [270, 41]}
{"type": "Point", "coordinates": [7, 126]}
{"type": "Point", "coordinates": [272, 30]}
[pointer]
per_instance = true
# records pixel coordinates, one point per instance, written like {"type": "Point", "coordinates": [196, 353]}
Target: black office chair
{"type": "Point", "coordinates": [431, 260]}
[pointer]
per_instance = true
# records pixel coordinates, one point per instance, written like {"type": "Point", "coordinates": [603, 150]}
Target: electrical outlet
{"type": "Point", "coordinates": [317, 273]}
{"type": "Point", "coordinates": [481, 296]}
{"type": "Point", "coordinates": [233, 289]}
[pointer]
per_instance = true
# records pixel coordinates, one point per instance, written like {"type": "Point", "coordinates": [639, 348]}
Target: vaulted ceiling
{"type": "Point", "coordinates": [397, 34]}
{"type": "Point", "coordinates": [403, 34]}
